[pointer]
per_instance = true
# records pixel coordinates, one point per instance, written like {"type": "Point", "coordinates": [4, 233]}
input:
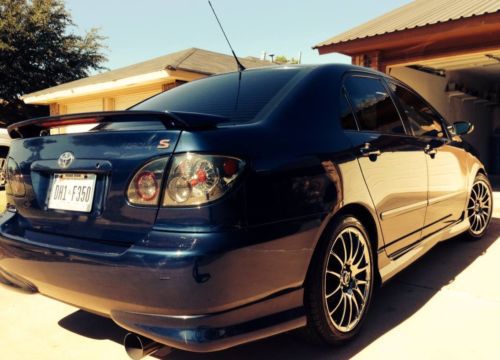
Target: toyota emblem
{"type": "Point", "coordinates": [65, 159]}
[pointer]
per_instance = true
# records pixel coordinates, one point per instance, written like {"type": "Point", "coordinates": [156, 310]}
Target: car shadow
{"type": "Point", "coordinates": [93, 326]}
{"type": "Point", "coordinates": [395, 302]}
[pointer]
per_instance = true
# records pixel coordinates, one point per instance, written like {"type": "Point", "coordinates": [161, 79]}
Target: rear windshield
{"type": "Point", "coordinates": [224, 95]}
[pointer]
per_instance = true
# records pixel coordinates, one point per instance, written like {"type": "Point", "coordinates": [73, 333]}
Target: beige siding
{"type": "Point", "coordinates": [108, 104]}
{"type": "Point", "coordinates": [109, 101]}
{"type": "Point", "coordinates": [127, 100]}
{"type": "Point", "coordinates": [84, 106]}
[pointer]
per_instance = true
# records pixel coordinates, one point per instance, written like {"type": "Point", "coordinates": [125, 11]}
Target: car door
{"type": "Point", "coordinates": [392, 162]}
{"type": "Point", "coordinates": [447, 169]}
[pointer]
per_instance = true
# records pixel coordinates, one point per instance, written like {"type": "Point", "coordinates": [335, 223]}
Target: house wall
{"type": "Point", "coordinates": [107, 101]}
{"type": "Point", "coordinates": [119, 99]}
{"type": "Point", "coordinates": [81, 106]}
{"type": "Point", "coordinates": [453, 108]}
{"type": "Point", "coordinates": [122, 98]}
{"type": "Point", "coordinates": [125, 101]}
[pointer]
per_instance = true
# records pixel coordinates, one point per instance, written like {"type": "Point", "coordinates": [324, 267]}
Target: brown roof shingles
{"type": "Point", "coordinates": [416, 14]}
{"type": "Point", "coordinates": [193, 59]}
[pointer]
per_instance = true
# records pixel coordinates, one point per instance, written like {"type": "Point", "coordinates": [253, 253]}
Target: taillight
{"type": "Point", "coordinates": [144, 189]}
{"type": "Point", "coordinates": [146, 186]}
{"type": "Point", "coordinates": [15, 182]}
{"type": "Point", "coordinates": [196, 179]}
{"type": "Point", "coordinates": [193, 179]}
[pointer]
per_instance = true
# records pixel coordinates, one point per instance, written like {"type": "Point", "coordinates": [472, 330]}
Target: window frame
{"type": "Point", "coordinates": [343, 93]}
{"type": "Point", "coordinates": [442, 121]}
{"type": "Point", "coordinates": [391, 96]}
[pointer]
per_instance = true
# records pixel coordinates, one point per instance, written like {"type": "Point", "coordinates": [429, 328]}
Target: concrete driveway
{"type": "Point", "coordinates": [445, 306]}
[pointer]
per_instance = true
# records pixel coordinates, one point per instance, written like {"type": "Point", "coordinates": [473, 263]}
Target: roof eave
{"type": "Point", "coordinates": [407, 36]}
{"type": "Point", "coordinates": [47, 98]}
{"type": "Point", "coordinates": [195, 71]}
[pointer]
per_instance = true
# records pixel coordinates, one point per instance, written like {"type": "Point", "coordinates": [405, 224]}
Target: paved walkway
{"type": "Point", "coordinates": [447, 305]}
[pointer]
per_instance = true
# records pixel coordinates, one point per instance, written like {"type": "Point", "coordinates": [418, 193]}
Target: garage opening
{"type": "Point", "coordinates": [463, 88]}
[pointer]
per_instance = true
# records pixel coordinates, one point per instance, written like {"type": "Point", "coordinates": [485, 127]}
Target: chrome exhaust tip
{"type": "Point", "coordinates": [138, 346]}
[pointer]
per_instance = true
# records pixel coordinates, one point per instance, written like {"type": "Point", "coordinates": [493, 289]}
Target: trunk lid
{"type": "Point", "coordinates": [119, 145]}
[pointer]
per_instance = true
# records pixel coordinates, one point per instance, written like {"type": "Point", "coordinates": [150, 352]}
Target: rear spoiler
{"type": "Point", "coordinates": [171, 120]}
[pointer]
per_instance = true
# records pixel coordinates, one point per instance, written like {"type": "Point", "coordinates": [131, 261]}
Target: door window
{"type": "Point", "coordinates": [373, 106]}
{"type": "Point", "coordinates": [424, 121]}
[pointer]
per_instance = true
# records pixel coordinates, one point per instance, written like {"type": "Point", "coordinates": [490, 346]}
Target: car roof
{"type": "Point", "coordinates": [336, 67]}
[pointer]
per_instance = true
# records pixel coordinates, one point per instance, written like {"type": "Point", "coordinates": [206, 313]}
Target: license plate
{"type": "Point", "coordinates": [74, 192]}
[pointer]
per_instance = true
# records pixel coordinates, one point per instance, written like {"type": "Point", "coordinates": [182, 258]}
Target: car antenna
{"type": "Point", "coordinates": [240, 66]}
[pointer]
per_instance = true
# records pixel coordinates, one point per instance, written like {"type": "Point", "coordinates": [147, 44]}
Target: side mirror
{"type": "Point", "coordinates": [461, 128]}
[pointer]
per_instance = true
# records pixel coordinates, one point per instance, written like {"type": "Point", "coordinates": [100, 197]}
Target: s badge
{"type": "Point", "coordinates": [163, 144]}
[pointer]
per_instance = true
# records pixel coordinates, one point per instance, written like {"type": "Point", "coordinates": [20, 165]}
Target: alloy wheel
{"type": "Point", "coordinates": [479, 207]}
{"type": "Point", "coordinates": [347, 280]}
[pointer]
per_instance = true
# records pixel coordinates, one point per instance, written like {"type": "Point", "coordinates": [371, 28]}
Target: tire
{"type": "Point", "coordinates": [479, 208]}
{"type": "Point", "coordinates": [336, 285]}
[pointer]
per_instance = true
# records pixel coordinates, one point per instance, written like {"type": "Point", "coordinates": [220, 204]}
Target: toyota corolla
{"type": "Point", "coordinates": [238, 206]}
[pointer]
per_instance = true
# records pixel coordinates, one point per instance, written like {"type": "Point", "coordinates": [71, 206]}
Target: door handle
{"type": "Point", "coordinates": [369, 151]}
{"type": "Point", "coordinates": [431, 151]}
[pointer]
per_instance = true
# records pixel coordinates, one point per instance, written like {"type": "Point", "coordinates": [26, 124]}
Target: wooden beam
{"type": "Point", "coordinates": [391, 59]}
{"type": "Point", "coordinates": [54, 109]}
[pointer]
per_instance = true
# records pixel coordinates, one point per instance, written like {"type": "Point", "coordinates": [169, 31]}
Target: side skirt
{"type": "Point", "coordinates": [408, 255]}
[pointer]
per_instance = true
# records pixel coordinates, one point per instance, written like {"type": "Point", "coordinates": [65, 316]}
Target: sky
{"type": "Point", "coordinates": [138, 30]}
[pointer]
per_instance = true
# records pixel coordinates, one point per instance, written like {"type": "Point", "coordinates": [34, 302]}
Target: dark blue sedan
{"type": "Point", "coordinates": [239, 206]}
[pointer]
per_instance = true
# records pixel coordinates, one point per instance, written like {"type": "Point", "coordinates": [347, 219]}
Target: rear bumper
{"type": "Point", "coordinates": [213, 332]}
{"type": "Point", "coordinates": [198, 291]}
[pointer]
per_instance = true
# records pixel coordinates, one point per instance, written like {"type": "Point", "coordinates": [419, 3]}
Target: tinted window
{"type": "Point", "coordinates": [373, 106]}
{"type": "Point", "coordinates": [346, 116]}
{"type": "Point", "coordinates": [424, 121]}
{"type": "Point", "coordinates": [224, 95]}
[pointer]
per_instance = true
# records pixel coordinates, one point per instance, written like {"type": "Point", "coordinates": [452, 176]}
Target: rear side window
{"type": "Point", "coordinates": [373, 106]}
{"type": "Point", "coordinates": [424, 121]}
{"type": "Point", "coordinates": [227, 96]}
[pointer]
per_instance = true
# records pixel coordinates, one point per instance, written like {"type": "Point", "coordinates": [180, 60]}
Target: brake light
{"type": "Point", "coordinates": [15, 182]}
{"type": "Point", "coordinates": [230, 167]}
{"type": "Point", "coordinates": [144, 189]}
{"type": "Point", "coordinates": [196, 179]}
{"type": "Point", "coordinates": [59, 123]}
{"type": "Point", "coordinates": [146, 186]}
